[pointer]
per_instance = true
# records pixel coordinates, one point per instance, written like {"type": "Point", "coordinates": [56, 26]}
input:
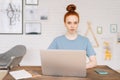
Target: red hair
{"type": "Point", "coordinates": [71, 11]}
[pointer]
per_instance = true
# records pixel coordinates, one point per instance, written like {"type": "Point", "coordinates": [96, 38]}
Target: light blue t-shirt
{"type": "Point", "coordinates": [80, 43]}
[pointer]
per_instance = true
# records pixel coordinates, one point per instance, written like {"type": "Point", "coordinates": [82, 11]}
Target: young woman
{"type": "Point", "coordinates": [72, 40]}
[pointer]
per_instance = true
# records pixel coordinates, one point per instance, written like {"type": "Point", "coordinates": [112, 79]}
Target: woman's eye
{"type": "Point", "coordinates": [75, 22]}
{"type": "Point", "coordinates": [69, 22]}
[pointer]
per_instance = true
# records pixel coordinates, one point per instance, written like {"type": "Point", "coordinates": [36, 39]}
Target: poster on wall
{"type": "Point", "coordinates": [35, 14]}
{"type": "Point", "coordinates": [99, 29]}
{"type": "Point", "coordinates": [33, 28]}
{"type": "Point", "coordinates": [11, 12]}
{"type": "Point", "coordinates": [31, 2]}
{"type": "Point", "coordinates": [113, 28]}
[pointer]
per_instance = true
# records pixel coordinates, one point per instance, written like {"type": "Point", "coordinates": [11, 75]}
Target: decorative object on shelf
{"type": "Point", "coordinates": [33, 28]}
{"type": "Point", "coordinates": [89, 29]}
{"type": "Point", "coordinates": [11, 17]}
{"type": "Point", "coordinates": [99, 29]}
{"type": "Point", "coordinates": [31, 2]}
{"type": "Point", "coordinates": [113, 28]}
{"type": "Point", "coordinates": [107, 50]}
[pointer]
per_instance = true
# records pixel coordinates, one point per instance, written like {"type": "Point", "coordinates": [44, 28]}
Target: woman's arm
{"type": "Point", "coordinates": [92, 62]}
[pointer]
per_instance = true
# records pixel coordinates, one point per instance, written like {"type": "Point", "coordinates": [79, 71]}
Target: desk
{"type": "Point", "coordinates": [91, 74]}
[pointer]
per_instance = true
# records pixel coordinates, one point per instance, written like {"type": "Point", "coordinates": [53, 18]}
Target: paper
{"type": "Point", "coordinates": [20, 74]}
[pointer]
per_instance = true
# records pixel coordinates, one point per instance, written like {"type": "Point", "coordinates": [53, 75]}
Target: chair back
{"type": "Point", "coordinates": [13, 56]}
{"type": "Point", "coordinates": [18, 50]}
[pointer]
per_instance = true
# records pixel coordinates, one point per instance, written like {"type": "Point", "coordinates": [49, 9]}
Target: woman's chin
{"type": "Point", "coordinates": [72, 32]}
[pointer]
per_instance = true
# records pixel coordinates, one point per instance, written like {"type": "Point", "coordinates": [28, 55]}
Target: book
{"type": "Point", "coordinates": [20, 74]}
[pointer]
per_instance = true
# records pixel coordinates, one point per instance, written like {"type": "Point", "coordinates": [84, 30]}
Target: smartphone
{"type": "Point", "coordinates": [101, 71]}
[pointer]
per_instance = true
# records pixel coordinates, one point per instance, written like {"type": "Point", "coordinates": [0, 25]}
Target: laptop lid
{"type": "Point", "coordinates": [63, 62]}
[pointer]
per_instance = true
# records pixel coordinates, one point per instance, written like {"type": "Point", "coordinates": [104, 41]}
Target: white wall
{"type": "Point", "coordinates": [99, 12]}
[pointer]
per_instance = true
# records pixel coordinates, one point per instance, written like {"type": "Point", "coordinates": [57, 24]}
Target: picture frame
{"type": "Point", "coordinates": [99, 29]}
{"type": "Point", "coordinates": [118, 37]}
{"type": "Point", "coordinates": [113, 28]}
{"type": "Point", "coordinates": [32, 28]}
{"type": "Point", "coordinates": [36, 14]}
{"type": "Point", "coordinates": [11, 17]}
{"type": "Point", "coordinates": [31, 2]}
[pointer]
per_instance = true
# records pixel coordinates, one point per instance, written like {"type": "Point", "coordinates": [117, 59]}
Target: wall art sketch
{"type": "Point", "coordinates": [99, 29]}
{"type": "Point", "coordinates": [113, 28]}
{"type": "Point", "coordinates": [33, 28]}
{"type": "Point", "coordinates": [11, 12]}
{"type": "Point", "coordinates": [31, 2]}
{"type": "Point", "coordinates": [32, 13]}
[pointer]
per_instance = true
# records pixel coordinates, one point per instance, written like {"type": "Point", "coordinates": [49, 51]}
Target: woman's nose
{"type": "Point", "coordinates": [72, 25]}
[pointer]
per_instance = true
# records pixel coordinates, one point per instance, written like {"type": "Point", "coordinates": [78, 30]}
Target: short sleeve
{"type": "Point", "coordinates": [89, 50]}
{"type": "Point", "coordinates": [53, 45]}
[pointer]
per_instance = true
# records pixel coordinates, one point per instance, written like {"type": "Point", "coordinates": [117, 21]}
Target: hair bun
{"type": "Point", "coordinates": [71, 8]}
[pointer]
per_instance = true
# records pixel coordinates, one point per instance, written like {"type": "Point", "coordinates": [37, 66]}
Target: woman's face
{"type": "Point", "coordinates": [71, 23]}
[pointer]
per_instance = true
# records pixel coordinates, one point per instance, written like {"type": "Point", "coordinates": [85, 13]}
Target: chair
{"type": "Point", "coordinates": [12, 57]}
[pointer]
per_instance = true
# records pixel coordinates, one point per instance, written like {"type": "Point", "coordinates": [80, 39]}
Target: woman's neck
{"type": "Point", "coordinates": [71, 36]}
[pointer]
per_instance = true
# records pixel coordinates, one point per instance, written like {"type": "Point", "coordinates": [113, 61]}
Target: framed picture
{"type": "Point", "coordinates": [33, 28]}
{"type": "Point", "coordinates": [113, 28]}
{"type": "Point", "coordinates": [118, 37]}
{"type": "Point", "coordinates": [35, 14]}
{"type": "Point", "coordinates": [11, 17]}
{"type": "Point", "coordinates": [99, 29]}
{"type": "Point", "coordinates": [31, 2]}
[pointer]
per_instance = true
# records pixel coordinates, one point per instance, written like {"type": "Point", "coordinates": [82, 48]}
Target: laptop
{"type": "Point", "coordinates": [63, 63]}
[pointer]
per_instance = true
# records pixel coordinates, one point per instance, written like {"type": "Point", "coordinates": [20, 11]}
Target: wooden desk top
{"type": "Point", "coordinates": [91, 74]}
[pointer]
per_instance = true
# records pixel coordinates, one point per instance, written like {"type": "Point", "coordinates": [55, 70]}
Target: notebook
{"type": "Point", "coordinates": [63, 62]}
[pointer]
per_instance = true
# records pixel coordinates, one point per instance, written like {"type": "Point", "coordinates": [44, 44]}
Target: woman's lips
{"type": "Point", "coordinates": [72, 29]}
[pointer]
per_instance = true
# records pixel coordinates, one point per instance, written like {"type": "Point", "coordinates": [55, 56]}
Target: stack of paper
{"type": "Point", "coordinates": [20, 74]}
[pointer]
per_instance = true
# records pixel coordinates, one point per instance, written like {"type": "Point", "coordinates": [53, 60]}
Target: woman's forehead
{"type": "Point", "coordinates": [72, 18]}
